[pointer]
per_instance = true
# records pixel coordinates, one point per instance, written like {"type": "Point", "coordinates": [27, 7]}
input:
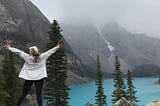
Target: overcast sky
{"type": "Point", "coordinates": [142, 16]}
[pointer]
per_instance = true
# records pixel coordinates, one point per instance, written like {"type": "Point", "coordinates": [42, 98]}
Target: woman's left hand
{"type": "Point", "coordinates": [7, 46]}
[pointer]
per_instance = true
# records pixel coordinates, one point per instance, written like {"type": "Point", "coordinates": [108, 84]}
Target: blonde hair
{"type": "Point", "coordinates": [34, 52]}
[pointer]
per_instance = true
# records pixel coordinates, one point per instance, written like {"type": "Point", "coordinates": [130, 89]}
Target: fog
{"type": "Point", "coordinates": [140, 16]}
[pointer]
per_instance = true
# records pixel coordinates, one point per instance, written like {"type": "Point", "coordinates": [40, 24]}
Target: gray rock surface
{"type": "Point", "coordinates": [87, 40]}
{"type": "Point", "coordinates": [21, 21]}
{"type": "Point", "coordinates": [154, 103]}
{"type": "Point", "coordinates": [124, 102]}
{"type": "Point", "coordinates": [89, 104]}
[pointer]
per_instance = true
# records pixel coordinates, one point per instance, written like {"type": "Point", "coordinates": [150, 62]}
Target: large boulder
{"type": "Point", "coordinates": [89, 104]}
{"type": "Point", "coordinates": [154, 103]}
{"type": "Point", "coordinates": [124, 102]}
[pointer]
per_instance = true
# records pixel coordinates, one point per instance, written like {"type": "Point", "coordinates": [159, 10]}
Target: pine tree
{"type": "Point", "coordinates": [56, 90]}
{"type": "Point", "coordinates": [11, 77]}
{"type": "Point", "coordinates": [100, 96]}
{"type": "Point", "coordinates": [131, 89]}
{"type": "Point", "coordinates": [3, 93]}
{"type": "Point", "coordinates": [120, 87]}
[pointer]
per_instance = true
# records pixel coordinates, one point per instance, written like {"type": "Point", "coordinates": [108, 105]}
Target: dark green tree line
{"type": "Point", "coordinates": [3, 93]}
{"type": "Point", "coordinates": [56, 90]}
{"type": "Point", "coordinates": [11, 85]}
{"type": "Point", "coordinates": [100, 96]}
{"type": "Point", "coordinates": [119, 84]}
{"type": "Point", "coordinates": [131, 89]}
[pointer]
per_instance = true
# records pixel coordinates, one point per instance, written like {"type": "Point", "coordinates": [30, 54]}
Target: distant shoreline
{"type": "Point", "coordinates": [157, 83]}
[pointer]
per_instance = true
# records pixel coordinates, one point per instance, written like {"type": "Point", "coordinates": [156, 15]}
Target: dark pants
{"type": "Point", "coordinates": [27, 85]}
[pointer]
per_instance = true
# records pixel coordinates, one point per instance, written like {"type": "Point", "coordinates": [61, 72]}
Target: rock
{"type": "Point", "coordinates": [21, 21]}
{"type": "Point", "coordinates": [124, 102]}
{"type": "Point", "coordinates": [89, 104]}
{"type": "Point", "coordinates": [154, 103]}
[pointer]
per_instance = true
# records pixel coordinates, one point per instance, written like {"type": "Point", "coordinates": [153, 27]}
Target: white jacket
{"type": "Point", "coordinates": [34, 70]}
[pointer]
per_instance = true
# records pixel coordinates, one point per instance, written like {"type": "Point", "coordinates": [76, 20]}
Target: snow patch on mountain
{"type": "Point", "coordinates": [110, 47]}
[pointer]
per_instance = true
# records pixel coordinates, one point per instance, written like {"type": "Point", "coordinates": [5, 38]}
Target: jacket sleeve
{"type": "Point", "coordinates": [50, 52]}
{"type": "Point", "coordinates": [22, 54]}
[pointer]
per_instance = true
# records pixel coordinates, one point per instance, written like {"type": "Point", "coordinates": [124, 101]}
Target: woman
{"type": "Point", "coordinates": [33, 70]}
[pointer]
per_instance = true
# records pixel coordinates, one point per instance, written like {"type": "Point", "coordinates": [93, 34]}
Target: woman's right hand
{"type": "Point", "coordinates": [7, 46]}
{"type": "Point", "coordinates": [60, 44]}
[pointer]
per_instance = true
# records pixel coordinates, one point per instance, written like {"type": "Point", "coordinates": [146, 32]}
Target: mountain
{"type": "Point", "coordinates": [146, 70]}
{"type": "Point", "coordinates": [21, 21]}
{"type": "Point", "coordinates": [88, 40]}
{"type": "Point", "coordinates": [24, 25]}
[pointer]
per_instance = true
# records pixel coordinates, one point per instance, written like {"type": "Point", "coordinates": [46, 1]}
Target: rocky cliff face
{"type": "Point", "coordinates": [86, 44]}
{"type": "Point", "coordinates": [133, 49]}
{"type": "Point", "coordinates": [23, 24]}
{"type": "Point", "coordinates": [21, 21]}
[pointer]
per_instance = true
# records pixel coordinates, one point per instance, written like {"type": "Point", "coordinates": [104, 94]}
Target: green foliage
{"type": "Point", "coordinates": [11, 78]}
{"type": "Point", "coordinates": [131, 89]}
{"type": "Point", "coordinates": [120, 88]}
{"type": "Point", "coordinates": [3, 93]}
{"type": "Point", "coordinates": [100, 96]}
{"type": "Point", "coordinates": [56, 90]}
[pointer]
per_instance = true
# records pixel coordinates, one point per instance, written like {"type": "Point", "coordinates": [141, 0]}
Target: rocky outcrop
{"type": "Point", "coordinates": [154, 103]}
{"type": "Point", "coordinates": [124, 102]}
{"type": "Point", "coordinates": [89, 104]}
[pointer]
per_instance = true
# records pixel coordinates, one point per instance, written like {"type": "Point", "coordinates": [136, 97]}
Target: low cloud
{"type": "Point", "coordinates": [140, 16]}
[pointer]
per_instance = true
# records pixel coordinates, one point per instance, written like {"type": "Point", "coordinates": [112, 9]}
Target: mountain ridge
{"type": "Point", "coordinates": [133, 49]}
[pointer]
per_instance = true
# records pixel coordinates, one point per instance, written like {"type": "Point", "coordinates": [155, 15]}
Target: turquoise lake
{"type": "Point", "coordinates": [147, 91]}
